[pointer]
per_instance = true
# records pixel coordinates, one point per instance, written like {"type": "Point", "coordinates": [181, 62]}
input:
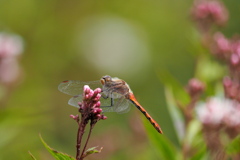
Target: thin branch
{"type": "Point", "coordinates": [89, 134]}
{"type": "Point", "coordinates": [80, 133]}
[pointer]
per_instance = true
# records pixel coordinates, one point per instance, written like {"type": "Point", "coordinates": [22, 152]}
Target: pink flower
{"type": "Point", "coordinates": [90, 107]}
{"type": "Point", "coordinates": [195, 87]}
{"type": "Point", "coordinates": [206, 13]}
{"type": "Point", "coordinates": [10, 45]}
{"type": "Point", "coordinates": [219, 111]}
{"type": "Point", "coordinates": [222, 45]}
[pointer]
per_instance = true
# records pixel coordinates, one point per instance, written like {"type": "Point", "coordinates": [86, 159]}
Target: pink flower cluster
{"type": "Point", "coordinates": [227, 50]}
{"type": "Point", "coordinates": [219, 114]}
{"type": "Point", "coordinates": [90, 107]}
{"type": "Point", "coordinates": [206, 13]}
{"type": "Point", "coordinates": [219, 111]}
{"type": "Point", "coordinates": [11, 46]}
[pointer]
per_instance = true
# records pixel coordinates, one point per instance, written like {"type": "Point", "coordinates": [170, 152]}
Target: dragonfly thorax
{"type": "Point", "coordinates": [114, 87]}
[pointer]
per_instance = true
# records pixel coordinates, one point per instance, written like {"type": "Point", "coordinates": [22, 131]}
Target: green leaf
{"type": "Point", "coordinates": [192, 131]}
{"type": "Point", "coordinates": [175, 113]}
{"type": "Point", "coordinates": [234, 146]}
{"type": "Point", "coordinates": [209, 70]}
{"type": "Point", "coordinates": [32, 155]}
{"type": "Point", "coordinates": [57, 155]}
{"type": "Point", "coordinates": [178, 90]}
{"type": "Point", "coordinates": [92, 151]}
{"type": "Point", "coordinates": [163, 147]}
{"type": "Point", "coordinates": [201, 154]}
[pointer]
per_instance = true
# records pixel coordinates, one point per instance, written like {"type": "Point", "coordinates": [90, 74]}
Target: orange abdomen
{"type": "Point", "coordinates": [132, 98]}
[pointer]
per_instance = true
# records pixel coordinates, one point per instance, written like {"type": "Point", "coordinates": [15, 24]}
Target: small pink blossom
{"type": "Point", "coordinates": [227, 82]}
{"type": "Point", "coordinates": [86, 89]}
{"type": "Point", "coordinates": [231, 88]}
{"type": "Point", "coordinates": [195, 87]}
{"type": "Point", "coordinates": [235, 59]}
{"type": "Point", "coordinates": [206, 13]}
{"type": "Point", "coordinates": [222, 45]}
{"type": "Point", "coordinates": [218, 111]}
{"type": "Point", "coordinates": [75, 117]}
{"type": "Point", "coordinates": [103, 117]}
{"type": "Point", "coordinates": [227, 50]}
{"type": "Point", "coordinates": [10, 45]}
{"type": "Point", "coordinates": [90, 107]}
{"type": "Point", "coordinates": [235, 46]}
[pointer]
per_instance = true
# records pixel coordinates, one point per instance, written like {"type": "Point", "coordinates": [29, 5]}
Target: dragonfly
{"type": "Point", "coordinates": [116, 96]}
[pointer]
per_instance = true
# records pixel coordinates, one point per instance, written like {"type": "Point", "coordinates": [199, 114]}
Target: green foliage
{"type": "Point", "coordinates": [54, 31]}
{"type": "Point", "coordinates": [92, 151]}
{"type": "Point", "coordinates": [161, 145]}
{"type": "Point", "coordinates": [201, 154]}
{"type": "Point", "coordinates": [234, 146]}
{"type": "Point", "coordinates": [164, 148]}
{"type": "Point", "coordinates": [192, 134]}
{"type": "Point", "coordinates": [174, 112]}
{"type": "Point", "coordinates": [179, 94]}
{"type": "Point", "coordinates": [209, 70]}
{"type": "Point", "coordinates": [32, 155]}
{"type": "Point", "coordinates": [57, 155]}
{"type": "Point", "coordinates": [63, 156]}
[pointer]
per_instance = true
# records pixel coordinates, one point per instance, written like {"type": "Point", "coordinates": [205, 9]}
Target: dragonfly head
{"type": "Point", "coordinates": [106, 79]}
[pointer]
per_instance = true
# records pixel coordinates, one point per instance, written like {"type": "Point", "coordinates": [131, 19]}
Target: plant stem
{"type": "Point", "coordinates": [89, 133]}
{"type": "Point", "coordinates": [80, 133]}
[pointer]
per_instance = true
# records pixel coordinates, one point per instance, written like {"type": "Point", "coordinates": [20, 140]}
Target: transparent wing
{"type": "Point", "coordinates": [74, 101]}
{"type": "Point", "coordinates": [104, 102]}
{"type": "Point", "coordinates": [75, 87]}
{"type": "Point", "coordinates": [120, 105]}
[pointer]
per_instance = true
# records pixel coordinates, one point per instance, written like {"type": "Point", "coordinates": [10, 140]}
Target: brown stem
{"type": "Point", "coordinates": [213, 141]}
{"type": "Point", "coordinates": [89, 134]}
{"type": "Point", "coordinates": [80, 133]}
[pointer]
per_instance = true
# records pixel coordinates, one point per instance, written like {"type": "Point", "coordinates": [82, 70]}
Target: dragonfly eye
{"type": "Point", "coordinates": [105, 79]}
{"type": "Point", "coordinates": [102, 81]}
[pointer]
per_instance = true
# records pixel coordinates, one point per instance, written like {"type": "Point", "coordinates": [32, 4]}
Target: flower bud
{"type": "Point", "coordinates": [234, 59]}
{"type": "Point", "coordinates": [98, 104]}
{"type": "Point", "coordinates": [195, 87]}
{"type": "Point", "coordinates": [98, 90]}
{"type": "Point", "coordinates": [86, 89]}
{"type": "Point", "coordinates": [103, 117]}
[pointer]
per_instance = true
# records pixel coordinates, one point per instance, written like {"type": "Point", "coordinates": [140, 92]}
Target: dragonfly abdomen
{"type": "Point", "coordinates": [145, 113]}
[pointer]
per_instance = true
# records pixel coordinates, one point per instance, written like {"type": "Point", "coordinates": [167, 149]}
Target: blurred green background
{"type": "Point", "coordinates": [84, 40]}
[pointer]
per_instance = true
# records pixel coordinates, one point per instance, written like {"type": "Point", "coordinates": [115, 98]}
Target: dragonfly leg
{"type": "Point", "coordinates": [109, 108]}
{"type": "Point", "coordinates": [104, 96]}
{"type": "Point", "coordinates": [112, 103]}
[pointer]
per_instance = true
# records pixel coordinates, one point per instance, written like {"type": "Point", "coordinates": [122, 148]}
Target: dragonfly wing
{"type": "Point", "coordinates": [75, 87]}
{"type": "Point", "coordinates": [107, 109]}
{"type": "Point", "coordinates": [106, 103]}
{"type": "Point", "coordinates": [119, 104]}
{"type": "Point", "coordinates": [74, 101]}
{"type": "Point", "coordinates": [122, 105]}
